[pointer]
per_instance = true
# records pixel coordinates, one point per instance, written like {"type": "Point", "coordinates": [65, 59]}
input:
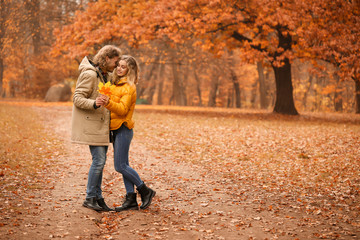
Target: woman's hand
{"type": "Point", "coordinates": [104, 99]}
{"type": "Point", "coordinates": [99, 102]}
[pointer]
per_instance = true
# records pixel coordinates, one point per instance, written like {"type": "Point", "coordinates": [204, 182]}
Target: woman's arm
{"type": "Point", "coordinates": [121, 108]}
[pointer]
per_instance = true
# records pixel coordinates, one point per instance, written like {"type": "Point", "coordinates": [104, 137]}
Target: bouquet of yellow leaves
{"type": "Point", "coordinates": [106, 88]}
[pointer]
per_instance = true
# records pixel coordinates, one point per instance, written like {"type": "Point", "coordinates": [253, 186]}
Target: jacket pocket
{"type": "Point", "coordinates": [95, 125]}
{"type": "Point", "coordinates": [95, 117]}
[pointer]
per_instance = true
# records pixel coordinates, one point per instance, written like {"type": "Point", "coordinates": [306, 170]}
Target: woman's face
{"type": "Point", "coordinates": [122, 69]}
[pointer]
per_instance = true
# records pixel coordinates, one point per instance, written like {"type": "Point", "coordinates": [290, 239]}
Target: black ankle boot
{"type": "Point", "coordinates": [146, 195]}
{"type": "Point", "coordinates": [129, 204]}
{"type": "Point", "coordinates": [92, 204]}
{"type": "Point", "coordinates": [102, 204]}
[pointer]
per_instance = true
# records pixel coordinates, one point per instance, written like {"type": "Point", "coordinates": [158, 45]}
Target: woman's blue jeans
{"type": "Point", "coordinates": [122, 140]}
{"type": "Point", "coordinates": [93, 188]}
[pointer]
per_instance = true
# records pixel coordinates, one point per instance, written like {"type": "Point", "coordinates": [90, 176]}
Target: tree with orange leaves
{"type": "Point", "coordinates": [333, 36]}
{"type": "Point", "coordinates": [276, 32]}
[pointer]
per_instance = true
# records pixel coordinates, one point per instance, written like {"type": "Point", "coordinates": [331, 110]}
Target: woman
{"type": "Point", "coordinates": [121, 105]}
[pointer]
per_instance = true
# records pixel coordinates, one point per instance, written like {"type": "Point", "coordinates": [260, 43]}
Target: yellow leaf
{"type": "Point", "coordinates": [106, 88]}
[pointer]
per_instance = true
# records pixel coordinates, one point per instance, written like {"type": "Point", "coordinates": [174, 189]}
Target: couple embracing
{"type": "Point", "coordinates": [98, 120]}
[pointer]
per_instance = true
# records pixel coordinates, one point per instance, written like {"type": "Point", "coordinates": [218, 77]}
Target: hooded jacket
{"type": "Point", "coordinates": [89, 125]}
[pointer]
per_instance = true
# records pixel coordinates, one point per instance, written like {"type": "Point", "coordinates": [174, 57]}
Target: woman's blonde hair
{"type": "Point", "coordinates": [109, 51]}
{"type": "Point", "coordinates": [133, 70]}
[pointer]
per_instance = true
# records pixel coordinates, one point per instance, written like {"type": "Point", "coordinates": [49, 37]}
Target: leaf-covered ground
{"type": "Point", "coordinates": [27, 155]}
{"type": "Point", "coordinates": [302, 169]}
{"type": "Point", "coordinates": [218, 173]}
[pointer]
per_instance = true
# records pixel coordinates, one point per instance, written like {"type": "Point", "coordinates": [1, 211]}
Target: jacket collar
{"type": "Point", "coordinates": [121, 81]}
{"type": "Point", "coordinates": [99, 72]}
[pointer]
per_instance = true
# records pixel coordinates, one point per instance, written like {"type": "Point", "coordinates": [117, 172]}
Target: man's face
{"type": "Point", "coordinates": [111, 63]}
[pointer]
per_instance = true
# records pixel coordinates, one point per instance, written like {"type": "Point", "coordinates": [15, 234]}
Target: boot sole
{"type": "Point", "coordinates": [152, 196]}
{"type": "Point", "coordinates": [97, 210]}
{"type": "Point", "coordinates": [108, 210]}
{"type": "Point", "coordinates": [126, 209]}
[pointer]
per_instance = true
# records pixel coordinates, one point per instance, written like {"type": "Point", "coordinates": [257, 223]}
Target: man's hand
{"type": "Point", "coordinates": [99, 102]}
{"type": "Point", "coordinates": [102, 100]}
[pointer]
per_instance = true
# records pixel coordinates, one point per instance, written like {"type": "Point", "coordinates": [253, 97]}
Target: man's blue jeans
{"type": "Point", "coordinates": [98, 154]}
{"type": "Point", "coordinates": [122, 140]}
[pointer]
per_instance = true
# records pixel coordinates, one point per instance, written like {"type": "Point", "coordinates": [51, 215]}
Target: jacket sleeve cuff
{"type": "Point", "coordinates": [108, 105]}
{"type": "Point", "coordinates": [95, 107]}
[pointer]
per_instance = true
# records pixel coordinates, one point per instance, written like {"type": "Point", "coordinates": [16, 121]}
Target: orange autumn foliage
{"type": "Point", "coordinates": [273, 32]}
{"type": "Point", "coordinates": [106, 89]}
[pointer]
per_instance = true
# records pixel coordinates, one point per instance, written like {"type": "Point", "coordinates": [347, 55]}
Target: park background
{"type": "Point", "coordinates": [285, 56]}
{"type": "Point", "coordinates": [208, 136]}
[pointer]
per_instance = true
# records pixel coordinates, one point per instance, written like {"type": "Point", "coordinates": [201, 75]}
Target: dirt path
{"type": "Point", "coordinates": [191, 203]}
{"type": "Point", "coordinates": [57, 211]}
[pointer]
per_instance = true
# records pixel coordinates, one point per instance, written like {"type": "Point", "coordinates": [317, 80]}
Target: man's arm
{"type": "Point", "coordinates": [84, 88]}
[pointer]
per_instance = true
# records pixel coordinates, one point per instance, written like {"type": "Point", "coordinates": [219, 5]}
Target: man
{"type": "Point", "coordinates": [90, 122]}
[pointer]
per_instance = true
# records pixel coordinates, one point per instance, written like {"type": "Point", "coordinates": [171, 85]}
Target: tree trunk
{"type": "Point", "coordinates": [3, 19]}
{"type": "Point", "coordinates": [307, 91]}
{"type": "Point", "coordinates": [338, 101]}
{"type": "Point", "coordinates": [230, 98]}
{"type": "Point", "coordinates": [2, 91]}
{"type": "Point", "coordinates": [159, 96]}
{"type": "Point", "coordinates": [284, 103]}
{"type": "Point", "coordinates": [236, 85]}
{"type": "Point", "coordinates": [160, 84]}
{"type": "Point", "coordinates": [262, 86]}
{"type": "Point", "coordinates": [33, 9]}
{"type": "Point", "coordinates": [183, 82]}
{"type": "Point", "coordinates": [198, 88]}
{"type": "Point", "coordinates": [213, 89]}
{"type": "Point", "coordinates": [253, 94]}
{"type": "Point", "coordinates": [357, 95]}
{"type": "Point", "coordinates": [151, 91]}
{"type": "Point", "coordinates": [178, 89]}
{"type": "Point", "coordinates": [144, 82]}
{"type": "Point", "coordinates": [171, 99]}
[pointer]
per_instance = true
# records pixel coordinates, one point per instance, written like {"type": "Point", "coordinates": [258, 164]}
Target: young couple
{"type": "Point", "coordinates": [96, 117]}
